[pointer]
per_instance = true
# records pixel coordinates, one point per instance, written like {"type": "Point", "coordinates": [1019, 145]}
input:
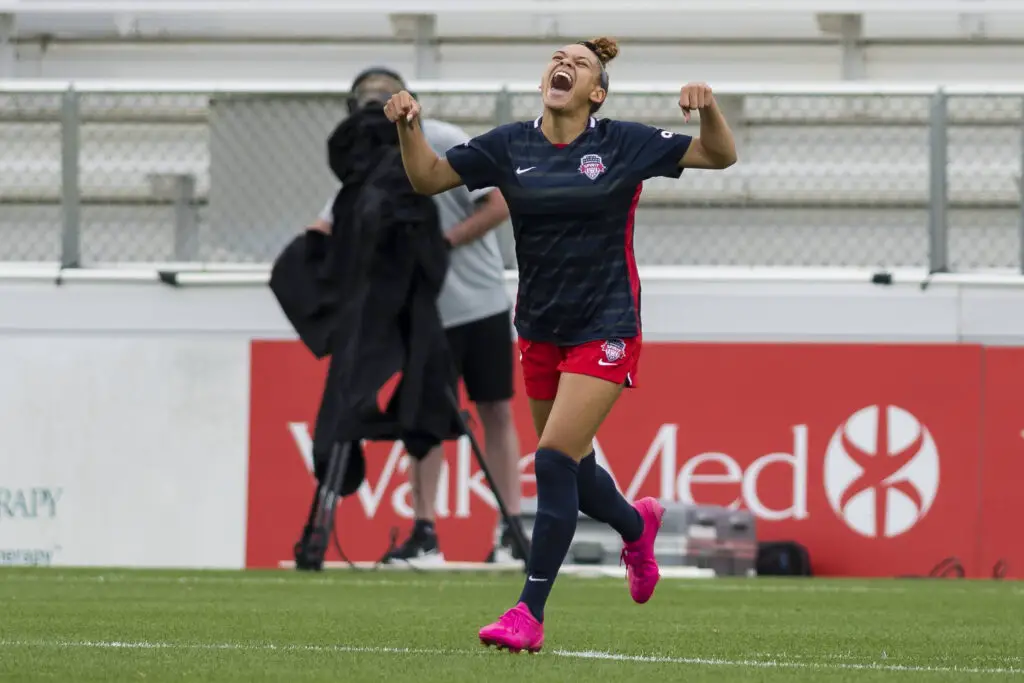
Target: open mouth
{"type": "Point", "coordinates": [561, 81]}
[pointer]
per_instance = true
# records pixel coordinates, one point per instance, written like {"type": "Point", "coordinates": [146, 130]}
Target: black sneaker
{"type": "Point", "coordinates": [310, 550]}
{"type": "Point", "coordinates": [420, 548]}
{"type": "Point", "coordinates": [505, 551]}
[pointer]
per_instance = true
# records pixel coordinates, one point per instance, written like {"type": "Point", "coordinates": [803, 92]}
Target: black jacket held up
{"type": "Point", "coordinates": [366, 295]}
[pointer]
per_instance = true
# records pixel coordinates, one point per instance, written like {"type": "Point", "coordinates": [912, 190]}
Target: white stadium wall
{"type": "Point", "coordinates": [142, 427]}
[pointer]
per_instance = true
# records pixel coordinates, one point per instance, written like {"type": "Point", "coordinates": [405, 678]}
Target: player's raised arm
{"type": "Point", "coordinates": [716, 147]}
{"type": "Point", "coordinates": [428, 173]}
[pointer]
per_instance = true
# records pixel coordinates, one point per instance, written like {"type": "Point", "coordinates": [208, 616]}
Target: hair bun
{"type": "Point", "coordinates": [607, 48]}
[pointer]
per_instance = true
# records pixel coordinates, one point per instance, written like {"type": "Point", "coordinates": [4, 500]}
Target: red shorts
{"type": "Point", "coordinates": [614, 360]}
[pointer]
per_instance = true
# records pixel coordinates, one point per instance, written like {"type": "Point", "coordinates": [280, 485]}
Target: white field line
{"type": "Point", "coordinates": [370, 578]}
{"type": "Point", "coordinates": [760, 663]}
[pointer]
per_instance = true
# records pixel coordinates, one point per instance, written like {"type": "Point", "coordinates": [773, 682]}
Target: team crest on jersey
{"type": "Point", "coordinates": [591, 166]}
{"type": "Point", "coordinates": [614, 350]}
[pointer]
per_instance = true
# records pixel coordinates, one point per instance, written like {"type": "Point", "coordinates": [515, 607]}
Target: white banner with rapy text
{"type": "Point", "coordinates": [123, 451]}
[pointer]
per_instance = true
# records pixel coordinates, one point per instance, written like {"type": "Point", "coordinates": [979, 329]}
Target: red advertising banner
{"type": "Point", "coordinates": [869, 455]}
{"type": "Point", "coordinates": [1001, 527]}
{"type": "Point", "coordinates": [286, 385]}
{"type": "Point", "coordinates": [865, 454]}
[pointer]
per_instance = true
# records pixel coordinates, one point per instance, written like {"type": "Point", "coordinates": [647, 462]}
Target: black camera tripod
{"type": "Point", "coordinates": [311, 549]}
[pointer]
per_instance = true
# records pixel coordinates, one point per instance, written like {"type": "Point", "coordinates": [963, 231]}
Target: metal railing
{"type": "Point", "coordinates": [831, 175]}
{"type": "Point", "coordinates": [544, 7]}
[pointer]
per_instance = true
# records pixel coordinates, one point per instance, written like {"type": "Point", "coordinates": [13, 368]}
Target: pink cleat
{"type": "Point", "coordinates": [641, 567]}
{"type": "Point", "coordinates": [517, 630]}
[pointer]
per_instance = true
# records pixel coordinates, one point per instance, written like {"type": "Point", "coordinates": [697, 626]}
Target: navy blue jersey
{"type": "Point", "coordinates": [572, 209]}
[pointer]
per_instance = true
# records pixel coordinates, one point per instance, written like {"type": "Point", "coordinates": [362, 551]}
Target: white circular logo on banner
{"type": "Point", "coordinates": [881, 471]}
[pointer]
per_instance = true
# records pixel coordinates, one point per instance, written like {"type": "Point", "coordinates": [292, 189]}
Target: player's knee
{"type": "Point", "coordinates": [575, 445]}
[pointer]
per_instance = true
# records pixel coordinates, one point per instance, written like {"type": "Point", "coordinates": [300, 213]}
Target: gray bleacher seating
{"type": "Point", "coordinates": [823, 180]}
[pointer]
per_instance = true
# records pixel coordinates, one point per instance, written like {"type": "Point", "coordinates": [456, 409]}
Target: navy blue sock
{"type": "Point", "coordinates": [557, 512]}
{"type": "Point", "coordinates": [600, 500]}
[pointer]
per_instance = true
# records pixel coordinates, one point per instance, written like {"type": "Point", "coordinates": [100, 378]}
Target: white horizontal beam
{"type": "Point", "coordinates": [455, 87]}
{"type": "Point", "coordinates": [248, 275]}
{"type": "Point", "coordinates": [253, 87]}
{"type": "Point", "coordinates": [293, 7]}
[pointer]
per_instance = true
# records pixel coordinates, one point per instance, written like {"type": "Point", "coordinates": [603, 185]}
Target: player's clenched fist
{"type": "Point", "coordinates": [402, 107]}
{"type": "Point", "coordinates": [695, 96]}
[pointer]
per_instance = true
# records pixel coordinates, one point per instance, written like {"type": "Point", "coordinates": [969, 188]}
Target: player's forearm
{"type": "Point", "coordinates": [493, 211]}
{"type": "Point", "coordinates": [716, 136]}
{"type": "Point", "coordinates": [419, 159]}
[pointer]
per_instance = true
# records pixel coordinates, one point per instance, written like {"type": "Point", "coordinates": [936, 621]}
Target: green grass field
{"type": "Point", "coordinates": [64, 625]}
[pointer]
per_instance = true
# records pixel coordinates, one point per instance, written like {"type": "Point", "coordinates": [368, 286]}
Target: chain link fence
{"type": "Point", "coordinates": [30, 177]}
{"type": "Point", "coordinates": [843, 177]}
{"type": "Point", "coordinates": [986, 141]}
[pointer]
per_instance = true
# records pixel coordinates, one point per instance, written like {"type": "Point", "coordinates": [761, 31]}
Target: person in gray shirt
{"type": "Point", "coordinates": [476, 315]}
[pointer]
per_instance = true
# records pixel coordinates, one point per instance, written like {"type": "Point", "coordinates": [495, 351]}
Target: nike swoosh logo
{"type": "Point", "coordinates": [521, 171]}
{"type": "Point", "coordinates": [604, 362]}
{"type": "Point", "coordinates": [530, 578]}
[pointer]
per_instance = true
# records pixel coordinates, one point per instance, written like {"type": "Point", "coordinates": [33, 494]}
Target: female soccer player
{"type": "Point", "coordinates": [572, 183]}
